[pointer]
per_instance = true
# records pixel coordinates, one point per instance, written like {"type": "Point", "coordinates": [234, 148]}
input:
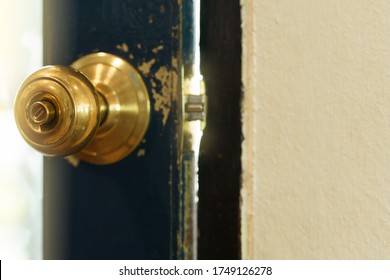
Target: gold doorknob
{"type": "Point", "coordinates": [97, 109]}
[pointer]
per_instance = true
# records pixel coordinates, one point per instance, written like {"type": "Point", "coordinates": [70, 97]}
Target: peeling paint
{"type": "Point", "coordinates": [141, 153]}
{"type": "Point", "coordinates": [123, 47]}
{"type": "Point", "coordinates": [74, 161]}
{"type": "Point", "coordinates": [163, 98]}
{"type": "Point", "coordinates": [174, 62]}
{"type": "Point", "coordinates": [175, 80]}
{"type": "Point", "coordinates": [145, 66]}
{"type": "Point", "coordinates": [157, 49]}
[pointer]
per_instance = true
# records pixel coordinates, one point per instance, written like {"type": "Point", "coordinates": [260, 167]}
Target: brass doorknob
{"type": "Point", "coordinates": [97, 109]}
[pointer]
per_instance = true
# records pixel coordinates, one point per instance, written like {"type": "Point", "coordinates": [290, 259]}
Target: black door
{"type": "Point", "coordinates": [142, 206]}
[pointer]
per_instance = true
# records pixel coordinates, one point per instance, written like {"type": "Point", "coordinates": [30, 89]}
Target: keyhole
{"type": "Point", "coordinates": [42, 112]}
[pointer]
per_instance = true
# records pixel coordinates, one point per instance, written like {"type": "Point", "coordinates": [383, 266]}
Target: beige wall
{"type": "Point", "coordinates": [316, 182]}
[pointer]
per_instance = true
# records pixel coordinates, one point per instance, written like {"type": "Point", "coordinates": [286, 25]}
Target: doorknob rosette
{"type": "Point", "coordinates": [98, 109]}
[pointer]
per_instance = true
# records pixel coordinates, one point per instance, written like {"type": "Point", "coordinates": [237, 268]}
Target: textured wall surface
{"type": "Point", "coordinates": [316, 156]}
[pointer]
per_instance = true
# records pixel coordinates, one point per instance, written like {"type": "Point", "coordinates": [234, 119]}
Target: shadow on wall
{"type": "Point", "coordinates": [220, 153]}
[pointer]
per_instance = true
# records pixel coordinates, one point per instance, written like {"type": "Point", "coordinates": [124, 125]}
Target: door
{"type": "Point", "coordinates": [141, 207]}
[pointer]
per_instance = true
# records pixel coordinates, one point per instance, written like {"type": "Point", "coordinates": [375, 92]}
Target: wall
{"type": "Point", "coordinates": [316, 113]}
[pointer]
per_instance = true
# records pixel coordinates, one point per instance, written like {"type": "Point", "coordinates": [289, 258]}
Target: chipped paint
{"type": "Point", "coordinates": [131, 56]}
{"type": "Point", "coordinates": [167, 80]}
{"type": "Point", "coordinates": [141, 153]}
{"type": "Point", "coordinates": [157, 49]}
{"type": "Point", "coordinates": [144, 68]}
{"type": "Point", "coordinates": [73, 160]}
{"type": "Point", "coordinates": [174, 62]}
{"type": "Point", "coordinates": [123, 47]}
{"type": "Point", "coordinates": [139, 46]}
